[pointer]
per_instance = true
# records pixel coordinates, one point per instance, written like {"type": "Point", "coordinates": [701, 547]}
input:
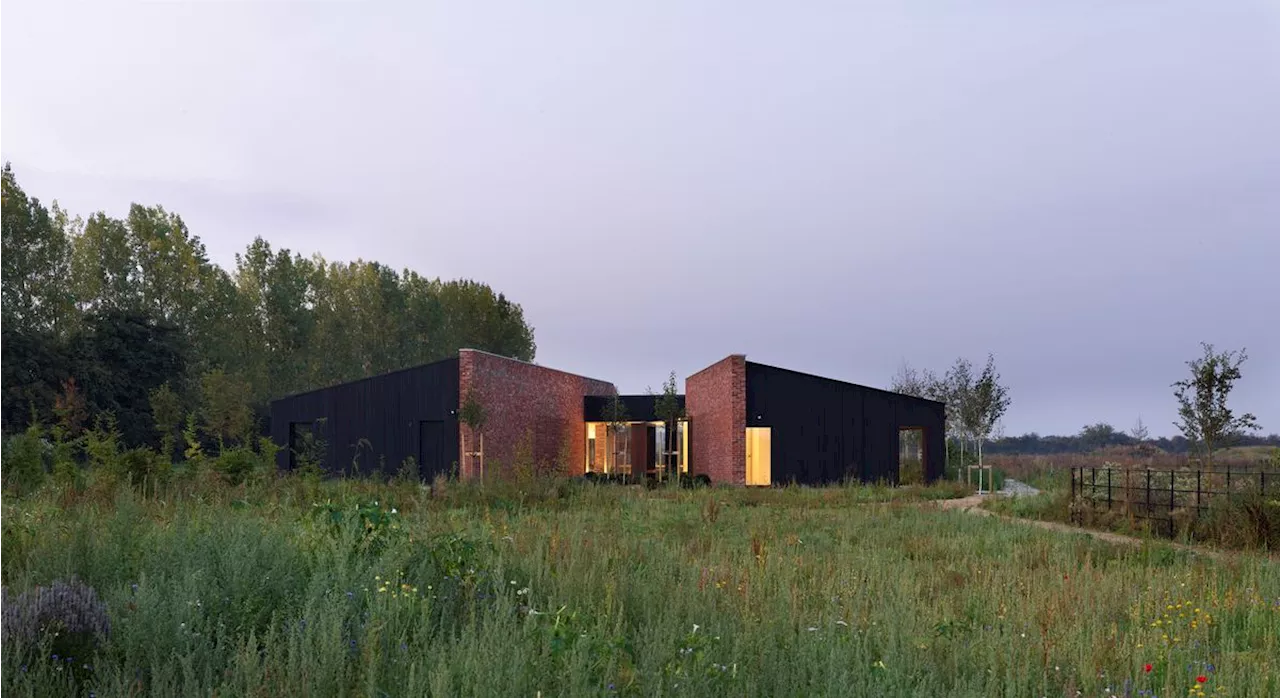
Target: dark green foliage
{"type": "Point", "coordinates": [27, 458]}
{"type": "Point", "coordinates": [123, 357]}
{"type": "Point", "coordinates": [34, 364]}
{"type": "Point", "coordinates": [124, 306]}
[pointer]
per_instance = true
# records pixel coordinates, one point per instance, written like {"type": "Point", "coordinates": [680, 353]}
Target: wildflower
{"type": "Point", "coordinates": [1147, 668]}
{"type": "Point", "coordinates": [812, 629]}
{"type": "Point", "coordinates": [1201, 678]}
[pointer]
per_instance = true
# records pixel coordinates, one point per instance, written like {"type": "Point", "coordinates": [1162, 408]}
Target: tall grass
{"type": "Point", "coordinates": [296, 586]}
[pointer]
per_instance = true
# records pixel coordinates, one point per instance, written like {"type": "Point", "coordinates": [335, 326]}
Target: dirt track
{"type": "Point", "coordinates": [972, 504]}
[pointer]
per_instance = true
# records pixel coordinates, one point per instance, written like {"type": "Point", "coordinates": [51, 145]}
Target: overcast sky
{"type": "Point", "coordinates": [1085, 189]}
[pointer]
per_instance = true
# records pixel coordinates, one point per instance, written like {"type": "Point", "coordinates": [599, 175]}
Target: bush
{"type": "Point", "coordinates": [236, 465]}
{"type": "Point", "coordinates": [67, 618]}
{"type": "Point", "coordinates": [1241, 521]}
{"type": "Point", "coordinates": [145, 468]}
{"type": "Point", "coordinates": [25, 459]}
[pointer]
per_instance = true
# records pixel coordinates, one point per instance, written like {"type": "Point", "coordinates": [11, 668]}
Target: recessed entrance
{"type": "Point", "coordinates": [759, 456]}
{"type": "Point", "coordinates": [911, 455]}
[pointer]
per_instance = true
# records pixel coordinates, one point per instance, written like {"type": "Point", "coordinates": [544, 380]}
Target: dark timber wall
{"type": "Point", "coordinates": [406, 413]}
{"type": "Point", "coordinates": [640, 408]}
{"type": "Point", "coordinates": [825, 430]}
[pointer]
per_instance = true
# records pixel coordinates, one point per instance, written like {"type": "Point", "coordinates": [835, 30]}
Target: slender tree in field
{"type": "Point", "coordinates": [667, 408]}
{"type": "Point", "coordinates": [615, 418]}
{"type": "Point", "coordinates": [958, 386]}
{"type": "Point", "coordinates": [1203, 414]}
{"type": "Point", "coordinates": [990, 400]}
{"type": "Point", "coordinates": [472, 414]}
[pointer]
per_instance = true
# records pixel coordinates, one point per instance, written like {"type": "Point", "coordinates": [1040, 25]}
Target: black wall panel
{"type": "Point", "coordinates": [825, 431]}
{"type": "Point", "coordinates": [381, 419]}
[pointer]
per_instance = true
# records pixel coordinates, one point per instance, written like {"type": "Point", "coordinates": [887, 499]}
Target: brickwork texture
{"type": "Point", "coordinates": [525, 402]}
{"type": "Point", "coordinates": [716, 402]}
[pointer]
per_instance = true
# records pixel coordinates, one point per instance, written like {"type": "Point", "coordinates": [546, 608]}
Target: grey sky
{"type": "Point", "coordinates": [1086, 189]}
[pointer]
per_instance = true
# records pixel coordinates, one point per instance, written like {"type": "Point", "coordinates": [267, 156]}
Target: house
{"type": "Point", "coordinates": [745, 423]}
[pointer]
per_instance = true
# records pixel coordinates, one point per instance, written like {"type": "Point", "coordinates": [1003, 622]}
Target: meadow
{"type": "Point", "coordinates": [295, 586]}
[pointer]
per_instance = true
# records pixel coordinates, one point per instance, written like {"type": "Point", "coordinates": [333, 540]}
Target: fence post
{"type": "Point", "coordinates": [1197, 493]}
{"type": "Point", "coordinates": [1093, 485]}
{"type": "Point", "coordinates": [1262, 483]}
{"type": "Point", "coordinates": [1108, 489]}
{"type": "Point", "coordinates": [1148, 513]}
{"type": "Point", "coordinates": [1173, 499]}
{"type": "Point", "coordinates": [1228, 480]}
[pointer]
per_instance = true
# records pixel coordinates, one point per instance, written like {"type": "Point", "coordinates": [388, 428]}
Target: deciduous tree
{"type": "Point", "coordinates": [1203, 414]}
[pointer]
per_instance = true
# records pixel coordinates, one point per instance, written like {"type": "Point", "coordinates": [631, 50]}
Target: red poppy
{"type": "Point", "coordinates": [1146, 668]}
{"type": "Point", "coordinates": [1201, 679]}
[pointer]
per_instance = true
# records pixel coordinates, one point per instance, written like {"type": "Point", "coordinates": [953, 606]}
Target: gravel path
{"type": "Point", "coordinates": [1014, 488]}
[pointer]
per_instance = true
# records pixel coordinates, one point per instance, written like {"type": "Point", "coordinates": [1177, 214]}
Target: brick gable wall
{"type": "Point", "coordinates": [523, 400]}
{"type": "Point", "coordinates": [716, 402]}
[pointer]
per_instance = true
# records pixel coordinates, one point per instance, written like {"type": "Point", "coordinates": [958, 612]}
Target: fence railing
{"type": "Point", "coordinates": [1155, 495]}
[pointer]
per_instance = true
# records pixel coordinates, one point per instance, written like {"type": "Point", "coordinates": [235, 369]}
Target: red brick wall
{"type": "Point", "coordinates": [522, 400]}
{"type": "Point", "coordinates": [716, 402]}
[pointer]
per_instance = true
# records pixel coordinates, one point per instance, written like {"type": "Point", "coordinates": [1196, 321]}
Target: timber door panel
{"type": "Point", "coordinates": [431, 451]}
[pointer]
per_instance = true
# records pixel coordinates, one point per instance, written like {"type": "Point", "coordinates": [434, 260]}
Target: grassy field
{"type": "Point", "coordinates": [294, 587]}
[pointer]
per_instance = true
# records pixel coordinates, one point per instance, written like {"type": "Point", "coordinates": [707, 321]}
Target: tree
{"type": "Point", "coordinates": [667, 408]}
{"type": "Point", "coordinates": [958, 385]}
{"type": "Point", "coordinates": [910, 381]}
{"type": "Point", "coordinates": [1203, 414]}
{"type": "Point", "coordinates": [472, 414]}
{"type": "Point", "coordinates": [224, 406]}
{"type": "Point", "coordinates": [1139, 431]}
{"type": "Point", "coordinates": [36, 261]}
{"type": "Point", "coordinates": [989, 402]}
{"type": "Point", "coordinates": [166, 411]}
{"type": "Point", "coordinates": [120, 358]}
{"type": "Point", "coordinates": [1096, 436]}
{"type": "Point", "coordinates": [615, 419]}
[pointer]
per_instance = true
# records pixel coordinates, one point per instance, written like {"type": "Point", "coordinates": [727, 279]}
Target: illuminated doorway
{"type": "Point", "coordinates": [759, 457]}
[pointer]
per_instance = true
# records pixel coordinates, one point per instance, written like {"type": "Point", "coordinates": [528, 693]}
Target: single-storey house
{"type": "Point", "coordinates": [744, 423]}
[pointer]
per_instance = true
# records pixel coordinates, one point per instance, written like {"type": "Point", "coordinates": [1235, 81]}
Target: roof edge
{"type": "Point", "coordinates": [530, 363]}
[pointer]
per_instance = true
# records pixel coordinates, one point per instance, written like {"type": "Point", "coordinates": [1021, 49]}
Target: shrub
{"type": "Point", "coordinates": [145, 468]}
{"type": "Point", "coordinates": [24, 459]}
{"type": "Point", "coordinates": [236, 465]}
{"type": "Point", "coordinates": [1241, 521]}
{"type": "Point", "coordinates": [66, 615]}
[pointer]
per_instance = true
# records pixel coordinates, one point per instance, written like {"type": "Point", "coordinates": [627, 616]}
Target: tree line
{"type": "Point", "coordinates": [975, 404]}
{"type": "Point", "coordinates": [102, 314]}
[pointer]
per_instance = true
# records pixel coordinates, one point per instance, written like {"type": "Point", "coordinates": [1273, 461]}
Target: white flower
{"type": "Point", "coordinates": [695, 627]}
{"type": "Point", "coordinates": [812, 629]}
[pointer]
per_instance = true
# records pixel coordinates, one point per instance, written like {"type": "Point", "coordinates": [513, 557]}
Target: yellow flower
{"type": "Point", "coordinates": [382, 590]}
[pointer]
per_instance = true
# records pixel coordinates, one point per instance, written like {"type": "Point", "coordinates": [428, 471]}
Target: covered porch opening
{"type": "Point", "coordinates": [911, 460]}
{"type": "Point", "coordinates": [638, 449]}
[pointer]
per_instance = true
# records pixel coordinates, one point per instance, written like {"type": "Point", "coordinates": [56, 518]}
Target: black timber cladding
{"type": "Point", "coordinates": [382, 420]}
{"type": "Point", "coordinates": [640, 408]}
{"type": "Point", "coordinates": [825, 430]}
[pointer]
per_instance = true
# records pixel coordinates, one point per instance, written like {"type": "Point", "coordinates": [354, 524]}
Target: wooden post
{"type": "Point", "coordinates": [1148, 492]}
{"type": "Point", "coordinates": [1108, 489]}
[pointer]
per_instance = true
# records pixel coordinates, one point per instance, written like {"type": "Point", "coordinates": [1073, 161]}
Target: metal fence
{"type": "Point", "coordinates": [1155, 495]}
